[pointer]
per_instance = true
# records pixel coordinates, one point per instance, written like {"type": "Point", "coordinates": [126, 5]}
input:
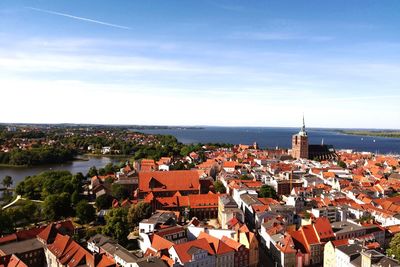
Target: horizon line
{"type": "Point", "coordinates": [192, 126]}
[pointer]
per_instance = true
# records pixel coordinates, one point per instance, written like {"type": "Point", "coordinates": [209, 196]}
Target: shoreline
{"type": "Point", "coordinates": [383, 134]}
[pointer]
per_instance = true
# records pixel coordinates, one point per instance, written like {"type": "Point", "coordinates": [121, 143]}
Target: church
{"type": "Point", "coordinates": [302, 150]}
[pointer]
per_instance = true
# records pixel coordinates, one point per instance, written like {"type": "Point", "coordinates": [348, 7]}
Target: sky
{"type": "Point", "coordinates": [209, 62]}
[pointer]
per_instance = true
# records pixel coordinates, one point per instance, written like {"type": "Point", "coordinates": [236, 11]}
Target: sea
{"type": "Point", "coordinates": [272, 137]}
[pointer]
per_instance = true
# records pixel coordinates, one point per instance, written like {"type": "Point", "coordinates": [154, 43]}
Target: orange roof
{"type": "Point", "coordinates": [182, 250]}
{"type": "Point", "coordinates": [230, 164]}
{"type": "Point", "coordinates": [218, 246]}
{"type": "Point", "coordinates": [105, 262]}
{"type": "Point", "coordinates": [340, 242]}
{"type": "Point", "coordinates": [286, 244]}
{"type": "Point", "coordinates": [16, 262]}
{"type": "Point", "coordinates": [168, 181]}
{"type": "Point", "coordinates": [232, 243]}
{"type": "Point", "coordinates": [323, 228]}
{"type": "Point", "coordinates": [160, 243]}
{"type": "Point", "coordinates": [309, 234]}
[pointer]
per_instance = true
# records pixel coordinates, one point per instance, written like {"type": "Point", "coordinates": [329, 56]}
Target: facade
{"type": "Point", "coordinates": [241, 252]}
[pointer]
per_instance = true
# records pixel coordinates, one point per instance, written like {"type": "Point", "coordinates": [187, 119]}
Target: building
{"type": "Point", "coordinates": [193, 253]}
{"type": "Point", "coordinates": [282, 250]}
{"type": "Point", "coordinates": [302, 150]}
{"type": "Point", "coordinates": [225, 255]}
{"type": "Point", "coordinates": [167, 183]}
{"type": "Point", "coordinates": [202, 206]}
{"type": "Point", "coordinates": [241, 252]}
{"type": "Point", "coordinates": [300, 144]}
{"type": "Point", "coordinates": [227, 210]}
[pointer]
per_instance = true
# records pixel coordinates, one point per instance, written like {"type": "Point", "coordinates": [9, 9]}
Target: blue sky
{"type": "Point", "coordinates": [211, 62]}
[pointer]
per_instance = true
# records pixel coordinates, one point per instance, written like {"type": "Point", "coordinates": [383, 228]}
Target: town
{"type": "Point", "coordinates": [239, 205]}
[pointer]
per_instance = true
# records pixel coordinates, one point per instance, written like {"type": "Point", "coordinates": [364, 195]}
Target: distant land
{"type": "Point", "coordinates": [377, 133]}
{"type": "Point", "coordinates": [123, 126]}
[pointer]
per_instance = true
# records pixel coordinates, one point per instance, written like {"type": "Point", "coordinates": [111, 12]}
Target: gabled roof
{"type": "Point", "coordinates": [48, 233]}
{"type": "Point", "coordinates": [159, 243]}
{"type": "Point", "coordinates": [323, 228]}
{"type": "Point", "coordinates": [232, 243]}
{"type": "Point", "coordinates": [218, 246]}
{"type": "Point", "coordinates": [59, 245]}
{"type": "Point", "coordinates": [168, 181]}
{"type": "Point", "coordinates": [16, 262]}
{"type": "Point", "coordinates": [185, 250]}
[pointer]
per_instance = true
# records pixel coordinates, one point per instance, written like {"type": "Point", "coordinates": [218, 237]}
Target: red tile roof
{"type": "Point", "coordinates": [169, 181]}
{"type": "Point", "coordinates": [16, 262]}
{"type": "Point", "coordinates": [323, 228]}
{"type": "Point", "coordinates": [183, 249]}
{"type": "Point", "coordinates": [159, 243]}
{"type": "Point", "coordinates": [218, 246]}
{"type": "Point", "coordinates": [232, 243]}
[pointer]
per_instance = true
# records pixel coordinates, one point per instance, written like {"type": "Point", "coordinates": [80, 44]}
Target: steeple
{"type": "Point", "coordinates": [303, 128]}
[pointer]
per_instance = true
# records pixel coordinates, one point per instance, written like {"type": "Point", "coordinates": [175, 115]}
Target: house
{"type": "Point", "coordinates": [330, 252]}
{"type": "Point", "coordinates": [64, 251]}
{"type": "Point", "coordinates": [193, 253]}
{"type": "Point", "coordinates": [147, 165]}
{"type": "Point", "coordinates": [166, 184]}
{"type": "Point", "coordinates": [225, 255]}
{"type": "Point", "coordinates": [227, 210]}
{"type": "Point", "coordinates": [241, 252]}
{"type": "Point", "coordinates": [29, 252]}
{"type": "Point", "coordinates": [202, 206]}
{"type": "Point", "coordinates": [283, 250]}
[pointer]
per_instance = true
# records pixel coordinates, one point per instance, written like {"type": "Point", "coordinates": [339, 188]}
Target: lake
{"type": "Point", "coordinates": [19, 173]}
{"type": "Point", "coordinates": [273, 136]}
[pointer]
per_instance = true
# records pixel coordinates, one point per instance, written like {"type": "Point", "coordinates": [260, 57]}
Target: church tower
{"type": "Point", "coordinates": [300, 143]}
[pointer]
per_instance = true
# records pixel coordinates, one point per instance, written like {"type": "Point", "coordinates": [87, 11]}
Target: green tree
{"type": "Point", "coordinates": [75, 197]}
{"type": "Point", "coordinates": [394, 247]}
{"type": "Point", "coordinates": [117, 225]}
{"type": "Point", "coordinates": [85, 212]}
{"type": "Point", "coordinates": [7, 181]}
{"type": "Point", "coordinates": [138, 212]}
{"type": "Point", "coordinates": [267, 191]}
{"type": "Point", "coordinates": [104, 202]}
{"type": "Point", "coordinates": [57, 206]}
{"type": "Point", "coordinates": [6, 223]}
{"type": "Point", "coordinates": [219, 187]}
{"type": "Point", "coordinates": [92, 172]}
{"type": "Point", "coordinates": [342, 164]}
{"type": "Point", "coordinates": [120, 192]}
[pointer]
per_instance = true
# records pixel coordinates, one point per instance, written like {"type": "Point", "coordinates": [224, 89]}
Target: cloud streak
{"type": "Point", "coordinates": [78, 18]}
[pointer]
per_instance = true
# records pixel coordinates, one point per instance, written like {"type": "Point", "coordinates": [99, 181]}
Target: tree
{"type": "Point", "coordinates": [75, 197]}
{"type": "Point", "coordinates": [7, 181]}
{"type": "Point", "coordinates": [57, 206]}
{"type": "Point", "coordinates": [92, 172]}
{"type": "Point", "coordinates": [342, 164]}
{"type": "Point", "coordinates": [6, 223]}
{"type": "Point", "coordinates": [117, 225]}
{"type": "Point", "coordinates": [219, 187]}
{"type": "Point", "coordinates": [394, 247]}
{"type": "Point", "coordinates": [120, 192]}
{"type": "Point", "coordinates": [85, 212]}
{"type": "Point", "coordinates": [138, 212]}
{"type": "Point", "coordinates": [104, 202]}
{"type": "Point", "coordinates": [267, 191]}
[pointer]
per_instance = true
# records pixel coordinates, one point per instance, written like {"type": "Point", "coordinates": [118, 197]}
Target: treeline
{"type": "Point", "coordinates": [61, 196]}
{"type": "Point", "coordinates": [392, 134]}
{"type": "Point", "coordinates": [36, 156]}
